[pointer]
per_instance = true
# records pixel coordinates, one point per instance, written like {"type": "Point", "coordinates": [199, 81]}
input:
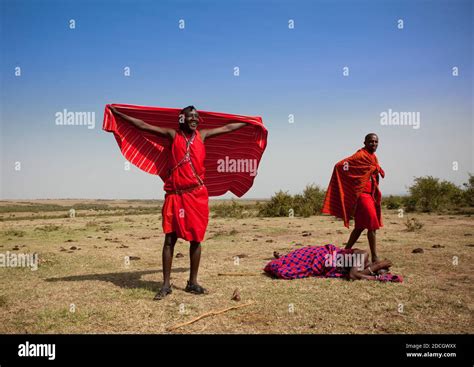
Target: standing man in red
{"type": "Point", "coordinates": [354, 192]}
{"type": "Point", "coordinates": [186, 207]}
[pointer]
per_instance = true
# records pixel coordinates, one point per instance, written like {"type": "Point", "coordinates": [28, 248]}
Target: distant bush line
{"type": "Point", "coordinates": [427, 194]}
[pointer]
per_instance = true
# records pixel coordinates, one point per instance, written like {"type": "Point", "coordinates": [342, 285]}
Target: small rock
{"type": "Point", "coordinates": [73, 248]}
{"type": "Point", "coordinates": [236, 295]}
{"type": "Point", "coordinates": [298, 244]}
{"type": "Point", "coordinates": [437, 246]}
{"type": "Point", "coordinates": [276, 254]}
{"type": "Point", "coordinates": [269, 241]}
{"type": "Point", "coordinates": [133, 258]}
{"type": "Point", "coordinates": [179, 254]}
{"type": "Point", "coordinates": [418, 250]}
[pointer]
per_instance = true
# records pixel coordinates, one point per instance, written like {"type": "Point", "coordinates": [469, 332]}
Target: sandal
{"type": "Point", "coordinates": [162, 293]}
{"type": "Point", "coordinates": [195, 289]}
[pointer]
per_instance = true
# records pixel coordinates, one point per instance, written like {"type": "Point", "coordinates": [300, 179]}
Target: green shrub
{"type": "Point", "coordinates": [282, 204]}
{"type": "Point", "coordinates": [429, 194]}
{"type": "Point", "coordinates": [232, 210]}
{"type": "Point", "coordinates": [468, 198]}
{"type": "Point", "coordinates": [393, 202]}
{"type": "Point", "coordinates": [278, 206]}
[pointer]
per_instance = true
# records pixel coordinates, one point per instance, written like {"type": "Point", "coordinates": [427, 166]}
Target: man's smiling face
{"type": "Point", "coordinates": [191, 119]}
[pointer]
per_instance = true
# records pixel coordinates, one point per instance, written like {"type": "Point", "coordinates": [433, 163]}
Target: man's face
{"type": "Point", "coordinates": [191, 119]}
{"type": "Point", "coordinates": [371, 143]}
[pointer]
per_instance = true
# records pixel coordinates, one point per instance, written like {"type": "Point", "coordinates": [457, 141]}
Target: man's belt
{"type": "Point", "coordinates": [186, 190]}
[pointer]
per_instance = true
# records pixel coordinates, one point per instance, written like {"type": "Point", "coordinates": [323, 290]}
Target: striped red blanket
{"type": "Point", "coordinates": [231, 161]}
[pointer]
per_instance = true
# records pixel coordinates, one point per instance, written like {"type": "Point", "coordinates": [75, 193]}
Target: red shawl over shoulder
{"type": "Point", "coordinates": [349, 178]}
{"type": "Point", "coordinates": [151, 152]}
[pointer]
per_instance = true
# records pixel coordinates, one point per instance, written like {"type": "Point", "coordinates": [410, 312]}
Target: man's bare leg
{"type": "Point", "coordinates": [167, 259]}
{"type": "Point", "coordinates": [355, 234]}
{"type": "Point", "coordinates": [371, 236]}
{"type": "Point", "coordinates": [195, 258]}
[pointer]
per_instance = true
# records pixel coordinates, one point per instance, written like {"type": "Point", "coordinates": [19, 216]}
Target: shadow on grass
{"type": "Point", "coordinates": [128, 280]}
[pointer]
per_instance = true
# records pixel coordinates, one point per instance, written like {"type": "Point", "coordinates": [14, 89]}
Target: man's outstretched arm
{"type": "Point", "coordinates": [142, 125]}
{"type": "Point", "coordinates": [208, 133]}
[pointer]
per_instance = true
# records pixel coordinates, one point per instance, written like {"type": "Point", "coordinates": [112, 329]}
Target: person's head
{"type": "Point", "coordinates": [371, 142]}
{"type": "Point", "coordinates": [188, 119]}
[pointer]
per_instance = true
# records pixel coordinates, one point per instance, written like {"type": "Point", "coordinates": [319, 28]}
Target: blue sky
{"type": "Point", "coordinates": [282, 71]}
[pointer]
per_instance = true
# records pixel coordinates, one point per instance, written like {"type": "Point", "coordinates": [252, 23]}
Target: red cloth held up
{"type": "Point", "coordinates": [151, 152]}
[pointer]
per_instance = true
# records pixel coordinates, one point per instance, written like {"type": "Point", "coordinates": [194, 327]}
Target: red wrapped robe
{"type": "Point", "coordinates": [186, 207]}
{"type": "Point", "coordinates": [352, 192]}
{"type": "Point", "coordinates": [365, 216]}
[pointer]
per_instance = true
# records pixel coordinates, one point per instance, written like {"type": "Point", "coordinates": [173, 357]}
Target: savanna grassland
{"type": "Point", "coordinates": [98, 273]}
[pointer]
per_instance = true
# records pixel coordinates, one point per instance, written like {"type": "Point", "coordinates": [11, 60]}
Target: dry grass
{"type": "Point", "coordinates": [110, 297]}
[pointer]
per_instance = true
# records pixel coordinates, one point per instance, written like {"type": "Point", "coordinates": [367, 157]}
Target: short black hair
{"type": "Point", "coordinates": [369, 135]}
{"type": "Point", "coordinates": [187, 109]}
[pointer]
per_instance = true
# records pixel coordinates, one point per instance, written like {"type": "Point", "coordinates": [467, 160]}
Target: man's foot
{"type": "Point", "coordinates": [375, 259]}
{"type": "Point", "coordinates": [162, 293]}
{"type": "Point", "coordinates": [195, 288]}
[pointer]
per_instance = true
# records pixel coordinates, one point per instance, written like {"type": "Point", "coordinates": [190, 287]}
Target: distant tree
{"type": "Point", "coordinates": [469, 191]}
{"type": "Point", "coordinates": [430, 194]}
